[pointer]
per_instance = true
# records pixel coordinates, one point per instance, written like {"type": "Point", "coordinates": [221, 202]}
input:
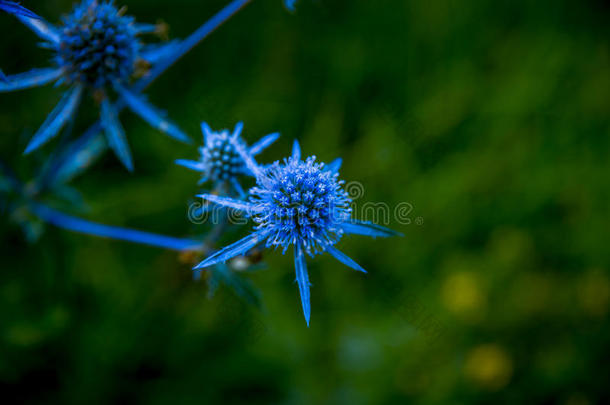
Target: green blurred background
{"type": "Point", "coordinates": [490, 118]}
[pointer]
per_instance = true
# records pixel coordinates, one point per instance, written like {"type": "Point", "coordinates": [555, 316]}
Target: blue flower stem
{"type": "Point", "coordinates": [193, 40]}
{"type": "Point", "coordinates": [209, 243]}
{"type": "Point", "coordinates": [217, 231]}
{"type": "Point", "coordinates": [66, 165]}
{"type": "Point", "coordinates": [65, 221]}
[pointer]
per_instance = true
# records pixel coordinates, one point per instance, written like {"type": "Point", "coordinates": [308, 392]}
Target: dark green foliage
{"type": "Point", "coordinates": [487, 121]}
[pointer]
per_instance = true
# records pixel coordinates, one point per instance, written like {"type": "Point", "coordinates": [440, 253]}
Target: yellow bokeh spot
{"type": "Point", "coordinates": [489, 366]}
{"type": "Point", "coordinates": [577, 399]}
{"type": "Point", "coordinates": [462, 294]}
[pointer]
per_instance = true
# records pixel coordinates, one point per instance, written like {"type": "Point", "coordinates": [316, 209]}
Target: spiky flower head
{"type": "Point", "coordinates": [97, 49]}
{"type": "Point", "coordinates": [98, 45]}
{"type": "Point", "coordinates": [301, 203]}
{"type": "Point", "coordinates": [221, 158]}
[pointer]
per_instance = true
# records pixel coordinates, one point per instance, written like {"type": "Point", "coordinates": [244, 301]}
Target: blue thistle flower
{"type": "Point", "coordinates": [220, 160]}
{"type": "Point", "coordinates": [15, 8]}
{"type": "Point", "coordinates": [98, 45]}
{"type": "Point", "coordinates": [298, 203]}
{"type": "Point", "coordinates": [97, 49]}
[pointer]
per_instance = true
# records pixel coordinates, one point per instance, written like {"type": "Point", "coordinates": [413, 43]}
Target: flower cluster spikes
{"type": "Point", "coordinates": [98, 45]}
{"type": "Point", "coordinates": [220, 159]}
{"type": "Point", "coordinates": [15, 8]}
{"type": "Point", "coordinates": [301, 202]}
{"type": "Point", "coordinates": [98, 50]}
{"type": "Point", "coordinates": [298, 203]}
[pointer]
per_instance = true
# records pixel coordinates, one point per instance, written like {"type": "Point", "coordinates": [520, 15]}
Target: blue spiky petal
{"type": "Point", "coordinates": [17, 9]}
{"type": "Point", "coordinates": [57, 119]}
{"type": "Point", "coordinates": [302, 277]}
{"type": "Point", "coordinates": [115, 134]}
{"type": "Point", "coordinates": [33, 78]}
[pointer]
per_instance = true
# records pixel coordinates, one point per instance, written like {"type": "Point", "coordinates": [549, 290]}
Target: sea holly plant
{"type": "Point", "coordinates": [68, 157]}
{"type": "Point", "coordinates": [221, 163]}
{"type": "Point", "coordinates": [96, 50]}
{"type": "Point", "coordinates": [219, 160]}
{"type": "Point", "coordinates": [31, 204]}
{"type": "Point", "coordinates": [298, 204]}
